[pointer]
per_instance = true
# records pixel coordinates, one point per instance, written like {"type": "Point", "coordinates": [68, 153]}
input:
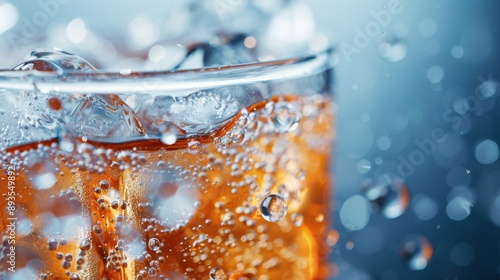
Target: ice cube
{"type": "Point", "coordinates": [229, 50]}
{"type": "Point", "coordinates": [90, 115]}
{"type": "Point", "coordinates": [199, 113]}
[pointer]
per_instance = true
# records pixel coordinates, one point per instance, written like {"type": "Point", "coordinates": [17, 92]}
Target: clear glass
{"type": "Point", "coordinates": [214, 173]}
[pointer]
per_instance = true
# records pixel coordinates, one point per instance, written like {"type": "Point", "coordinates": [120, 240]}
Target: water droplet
{"type": "Point", "coordinates": [217, 274]}
{"type": "Point", "coordinates": [285, 117]}
{"type": "Point", "coordinates": [85, 244]}
{"type": "Point", "coordinates": [194, 147]}
{"type": "Point", "coordinates": [390, 199]}
{"type": "Point", "coordinates": [75, 276]}
{"type": "Point", "coordinates": [273, 208]}
{"type": "Point", "coordinates": [169, 135]}
{"type": "Point", "coordinates": [154, 244]}
{"type": "Point", "coordinates": [416, 252]}
{"type": "Point", "coordinates": [52, 243]}
{"type": "Point", "coordinates": [297, 219]}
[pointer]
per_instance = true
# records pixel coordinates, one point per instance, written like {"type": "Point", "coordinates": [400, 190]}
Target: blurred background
{"type": "Point", "coordinates": [416, 82]}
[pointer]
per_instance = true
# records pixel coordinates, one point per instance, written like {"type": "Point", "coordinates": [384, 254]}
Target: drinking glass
{"type": "Point", "coordinates": [212, 173]}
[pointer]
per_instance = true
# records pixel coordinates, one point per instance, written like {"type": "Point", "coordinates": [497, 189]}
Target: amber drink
{"type": "Point", "coordinates": [166, 175]}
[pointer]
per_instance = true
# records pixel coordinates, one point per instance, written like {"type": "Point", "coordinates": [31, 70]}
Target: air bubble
{"type": "Point", "coordinates": [194, 147]}
{"type": "Point", "coordinates": [52, 243]}
{"type": "Point", "coordinates": [154, 244]}
{"type": "Point", "coordinates": [85, 244]}
{"type": "Point", "coordinates": [75, 276]}
{"type": "Point", "coordinates": [217, 273]}
{"type": "Point", "coordinates": [104, 184]}
{"type": "Point", "coordinates": [285, 117]}
{"type": "Point", "coordinates": [273, 208]}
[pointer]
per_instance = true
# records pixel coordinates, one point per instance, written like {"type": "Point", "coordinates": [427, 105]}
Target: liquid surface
{"type": "Point", "coordinates": [248, 201]}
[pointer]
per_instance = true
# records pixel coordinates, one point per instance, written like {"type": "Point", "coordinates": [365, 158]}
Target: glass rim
{"type": "Point", "coordinates": [182, 82]}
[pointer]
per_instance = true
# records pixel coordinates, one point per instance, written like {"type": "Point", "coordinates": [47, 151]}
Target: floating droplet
{"type": "Point", "coordinates": [194, 147]}
{"type": "Point", "coordinates": [169, 136]}
{"type": "Point", "coordinates": [154, 244]}
{"type": "Point", "coordinates": [416, 253]}
{"type": "Point", "coordinates": [273, 208]}
{"type": "Point", "coordinates": [217, 273]}
{"type": "Point", "coordinates": [85, 244]}
{"type": "Point", "coordinates": [297, 219]}
{"type": "Point", "coordinates": [390, 199]}
{"type": "Point", "coordinates": [285, 117]}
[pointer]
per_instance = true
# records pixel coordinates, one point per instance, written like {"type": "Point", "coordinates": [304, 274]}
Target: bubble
{"type": "Point", "coordinates": [52, 243]}
{"type": "Point", "coordinates": [85, 244]}
{"type": "Point", "coordinates": [74, 276]}
{"type": "Point", "coordinates": [285, 117]}
{"type": "Point", "coordinates": [237, 135]}
{"type": "Point", "coordinates": [416, 252]}
{"type": "Point", "coordinates": [486, 152]}
{"type": "Point", "coordinates": [104, 184]}
{"type": "Point", "coordinates": [169, 135]}
{"type": "Point", "coordinates": [217, 273]}
{"type": "Point", "coordinates": [297, 219]}
{"type": "Point", "coordinates": [273, 208]}
{"type": "Point", "coordinates": [390, 199]}
{"type": "Point", "coordinates": [355, 213]}
{"type": "Point", "coordinates": [154, 244]}
{"type": "Point", "coordinates": [194, 147]}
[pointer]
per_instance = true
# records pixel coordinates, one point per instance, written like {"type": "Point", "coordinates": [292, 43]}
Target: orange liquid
{"type": "Point", "coordinates": [176, 211]}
